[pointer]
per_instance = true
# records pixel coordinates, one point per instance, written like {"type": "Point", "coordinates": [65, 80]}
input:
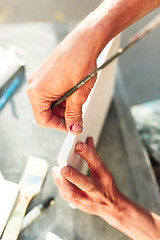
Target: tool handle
{"type": "Point", "coordinates": [30, 217]}
{"type": "Point", "coordinates": [7, 94]}
{"type": "Point", "coordinates": [14, 224]}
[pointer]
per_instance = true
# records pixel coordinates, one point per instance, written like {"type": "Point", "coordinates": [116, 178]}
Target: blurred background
{"type": "Point", "coordinates": [49, 10]}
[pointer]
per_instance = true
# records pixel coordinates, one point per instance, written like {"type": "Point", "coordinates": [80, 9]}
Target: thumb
{"type": "Point", "coordinates": [73, 116]}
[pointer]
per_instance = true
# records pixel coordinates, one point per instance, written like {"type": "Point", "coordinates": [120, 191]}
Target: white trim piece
{"type": "Point", "coordinates": [52, 236]}
{"type": "Point", "coordinates": [9, 196]}
{"type": "Point", "coordinates": [94, 110]}
{"type": "Point", "coordinates": [1, 176]}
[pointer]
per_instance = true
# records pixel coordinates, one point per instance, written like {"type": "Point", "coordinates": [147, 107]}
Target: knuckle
{"type": "Point", "coordinates": [41, 121]}
{"type": "Point", "coordinates": [79, 97]}
{"type": "Point", "coordinates": [72, 113]}
{"type": "Point", "coordinates": [66, 171]}
{"type": "Point", "coordinates": [90, 187]}
{"type": "Point", "coordinates": [71, 195]}
{"type": "Point", "coordinates": [110, 180]}
{"type": "Point", "coordinates": [97, 163]}
{"type": "Point", "coordinates": [84, 97]}
{"type": "Point", "coordinates": [91, 155]}
{"type": "Point", "coordinates": [87, 151]}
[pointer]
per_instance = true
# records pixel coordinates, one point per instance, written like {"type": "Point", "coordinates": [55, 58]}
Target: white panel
{"type": "Point", "coordinates": [9, 195]}
{"type": "Point", "coordinates": [94, 110]}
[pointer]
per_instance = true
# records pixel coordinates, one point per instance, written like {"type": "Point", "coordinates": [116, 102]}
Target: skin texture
{"type": "Point", "coordinates": [58, 74]}
{"type": "Point", "coordinates": [74, 58]}
{"type": "Point", "coordinates": [89, 194]}
{"type": "Point", "coordinates": [99, 195]}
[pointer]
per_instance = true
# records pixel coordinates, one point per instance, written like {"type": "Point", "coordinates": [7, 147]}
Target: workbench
{"type": "Point", "coordinates": [119, 145]}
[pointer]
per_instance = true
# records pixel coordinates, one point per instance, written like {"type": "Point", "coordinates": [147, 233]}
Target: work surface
{"type": "Point", "coordinates": [119, 146]}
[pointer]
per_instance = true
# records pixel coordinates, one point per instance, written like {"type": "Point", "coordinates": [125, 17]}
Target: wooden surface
{"type": "Point", "coordinates": [30, 185]}
{"type": "Point", "coordinates": [119, 146]}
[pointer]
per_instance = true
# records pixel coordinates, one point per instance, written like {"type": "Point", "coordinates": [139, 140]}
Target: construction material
{"type": "Point", "coordinates": [148, 28]}
{"type": "Point", "coordinates": [30, 185]}
{"type": "Point", "coordinates": [94, 110]}
{"type": "Point", "coordinates": [1, 176]}
{"type": "Point", "coordinates": [52, 236]}
{"type": "Point", "coordinates": [8, 200]}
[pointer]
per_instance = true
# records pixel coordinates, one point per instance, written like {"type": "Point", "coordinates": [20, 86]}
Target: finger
{"type": "Point", "coordinates": [43, 113]}
{"type": "Point", "coordinates": [90, 143]}
{"type": "Point", "coordinates": [67, 190]}
{"type": "Point", "coordinates": [88, 153]}
{"type": "Point", "coordinates": [59, 111]}
{"type": "Point", "coordinates": [73, 115]}
{"type": "Point", "coordinates": [78, 179]}
{"type": "Point", "coordinates": [48, 119]}
{"type": "Point", "coordinates": [63, 104]}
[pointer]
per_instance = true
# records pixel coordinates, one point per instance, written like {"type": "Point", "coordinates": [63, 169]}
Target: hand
{"type": "Point", "coordinates": [73, 59]}
{"type": "Point", "coordinates": [100, 196]}
{"type": "Point", "coordinates": [97, 194]}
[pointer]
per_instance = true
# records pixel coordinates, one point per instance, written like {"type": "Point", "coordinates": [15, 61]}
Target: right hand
{"type": "Point", "coordinates": [73, 59]}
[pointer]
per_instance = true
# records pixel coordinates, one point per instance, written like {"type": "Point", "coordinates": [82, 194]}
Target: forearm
{"type": "Point", "coordinates": [135, 221]}
{"type": "Point", "coordinates": [110, 18]}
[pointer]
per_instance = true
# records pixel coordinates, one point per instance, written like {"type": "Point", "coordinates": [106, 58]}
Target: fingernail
{"type": "Point", "coordinates": [76, 128]}
{"type": "Point", "coordinates": [79, 147]}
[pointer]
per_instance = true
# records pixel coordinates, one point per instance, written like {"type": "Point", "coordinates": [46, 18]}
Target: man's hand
{"type": "Point", "coordinates": [73, 59]}
{"type": "Point", "coordinates": [100, 196]}
{"type": "Point", "coordinates": [94, 194]}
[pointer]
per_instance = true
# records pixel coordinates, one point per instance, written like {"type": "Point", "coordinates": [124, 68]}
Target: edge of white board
{"type": "Point", "coordinates": [95, 110]}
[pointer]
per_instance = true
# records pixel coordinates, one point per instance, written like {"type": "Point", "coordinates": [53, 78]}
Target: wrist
{"type": "Point", "coordinates": [133, 220]}
{"type": "Point", "coordinates": [111, 18]}
{"type": "Point", "coordinates": [113, 214]}
{"type": "Point", "coordinates": [95, 30]}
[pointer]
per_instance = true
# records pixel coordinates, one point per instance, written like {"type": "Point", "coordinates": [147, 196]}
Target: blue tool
{"type": "Point", "coordinates": [6, 95]}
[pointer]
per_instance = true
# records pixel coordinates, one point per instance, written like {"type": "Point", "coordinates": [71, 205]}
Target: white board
{"type": "Point", "coordinates": [9, 196]}
{"type": "Point", "coordinates": [94, 110]}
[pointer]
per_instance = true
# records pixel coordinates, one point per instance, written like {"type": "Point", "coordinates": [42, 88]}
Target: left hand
{"type": "Point", "coordinates": [97, 194]}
